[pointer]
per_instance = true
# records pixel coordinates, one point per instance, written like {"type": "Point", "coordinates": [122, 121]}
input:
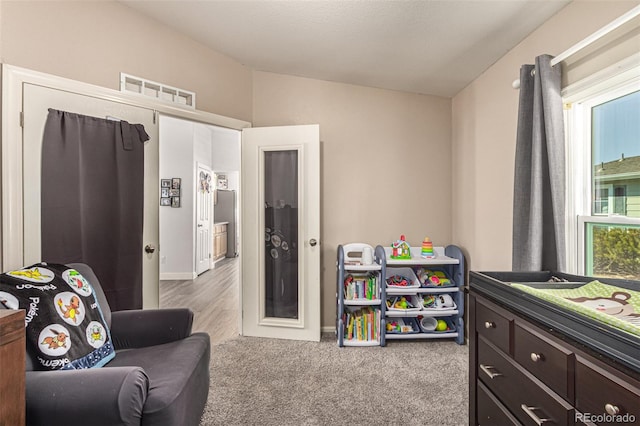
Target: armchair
{"type": "Point", "coordinates": [159, 376]}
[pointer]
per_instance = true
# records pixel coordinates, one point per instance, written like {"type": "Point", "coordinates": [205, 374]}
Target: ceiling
{"type": "Point", "coordinates": [420, 46]}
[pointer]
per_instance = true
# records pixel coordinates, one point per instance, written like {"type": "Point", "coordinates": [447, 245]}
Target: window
{"type": "Point", "coordinates": [603, 156]}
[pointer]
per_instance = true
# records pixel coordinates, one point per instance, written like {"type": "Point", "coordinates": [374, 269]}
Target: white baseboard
{"type": "Point", "coordinates": [178, 276]}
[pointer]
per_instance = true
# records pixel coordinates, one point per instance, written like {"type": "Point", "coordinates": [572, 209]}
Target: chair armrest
{"type": "Point", "coordinates": [142, 328]}
{"type": "Point", "coordinates": [99, 396]}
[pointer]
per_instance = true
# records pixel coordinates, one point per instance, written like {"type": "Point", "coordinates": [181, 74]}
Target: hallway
{"type": "Point", "coordinates": [212, 296]}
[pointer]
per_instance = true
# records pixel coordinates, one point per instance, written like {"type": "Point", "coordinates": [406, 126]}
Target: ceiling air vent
{"type": "Point", "coordinates": [152, 89]}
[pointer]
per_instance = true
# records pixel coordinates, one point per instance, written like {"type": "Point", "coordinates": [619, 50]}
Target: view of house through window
{"type": "Point", "coordinates": [612, 248]}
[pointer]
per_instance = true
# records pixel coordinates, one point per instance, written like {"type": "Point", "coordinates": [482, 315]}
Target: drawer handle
{"type": "Point", "coordinates": [611, 409]}
{"type": "Point", "coordinates": [535, 357]}
{"type": "Point", "coordinates": [489, 324]}
{"type": "Point", "coordinates": [489, 373]}
{"type": "Point", "coordinates": [534, 417]}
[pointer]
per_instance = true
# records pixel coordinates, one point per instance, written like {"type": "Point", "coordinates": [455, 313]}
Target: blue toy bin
{"type": "Point", "coordinates": [405, 324]}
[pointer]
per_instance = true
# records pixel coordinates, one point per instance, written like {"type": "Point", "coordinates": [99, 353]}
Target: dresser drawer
{"type": "Point", "coordinates": [549, 362]}
{"type": "Point", "coordinates": [530, 403]}
{"type": "Point", "coordinates": [600, 393]}
{"type": "Point", "coordinates": [493, 326]}
{"type": "Point", "coordinates": [491, 412]}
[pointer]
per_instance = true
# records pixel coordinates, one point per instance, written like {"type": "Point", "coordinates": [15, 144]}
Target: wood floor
{"type": "Point", "coordinates": [212, 296]}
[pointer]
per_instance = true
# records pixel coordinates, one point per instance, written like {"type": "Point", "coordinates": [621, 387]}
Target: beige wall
{"type": "Point", "coordinates": [484, 131]}
{"type": "Point", "coordinates": [386, 162]}
{"type": "Point", "coordinates": [96, 40]}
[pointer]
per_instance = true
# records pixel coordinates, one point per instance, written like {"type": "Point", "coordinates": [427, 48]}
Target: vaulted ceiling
{"type": "Point", "coordinates": [420, 46]}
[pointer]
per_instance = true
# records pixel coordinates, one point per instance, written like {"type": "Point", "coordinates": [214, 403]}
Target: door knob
{"type": "Point", "coordinates": [313, 242]}
{"type": "Point", "coordinates": [150, 248]}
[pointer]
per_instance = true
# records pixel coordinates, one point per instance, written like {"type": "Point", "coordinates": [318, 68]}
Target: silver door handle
{"type": "Point", "coordinates": [313, 242]}
{"type": "Point", "coordinates": [149, 248]}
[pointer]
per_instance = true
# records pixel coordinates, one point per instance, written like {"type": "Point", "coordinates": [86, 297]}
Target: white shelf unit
{"type": "Point", "coordinates": [451, 260]}
{"type": "Point", "coordinates": [345, 266]}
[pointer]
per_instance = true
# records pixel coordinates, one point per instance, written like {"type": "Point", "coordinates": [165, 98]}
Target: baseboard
{"type": "Point", "coordinates": [178, 276]}
{"type": "Point", "coordinates": [328, 329]}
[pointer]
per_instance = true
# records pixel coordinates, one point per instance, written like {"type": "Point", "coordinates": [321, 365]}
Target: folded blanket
{"type": "Point", "coordinates": [65, 328]}
{"type": "Point", "coordinates": [615, 306]}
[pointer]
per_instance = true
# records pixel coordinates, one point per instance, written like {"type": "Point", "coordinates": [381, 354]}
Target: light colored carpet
{"type": "Point", "coordinates": [257, 381]}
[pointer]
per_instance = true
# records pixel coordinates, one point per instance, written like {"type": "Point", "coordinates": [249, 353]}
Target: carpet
{"type": "Point", "coordinates": [257, 381]}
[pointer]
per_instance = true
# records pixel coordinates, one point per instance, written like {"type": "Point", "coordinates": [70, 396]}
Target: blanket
{"type": "Point", "coordinates": [615, 306]}
{"type": "Point", "coordinates": [65, 328]}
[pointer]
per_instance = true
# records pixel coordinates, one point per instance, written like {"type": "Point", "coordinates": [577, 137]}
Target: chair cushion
{"type": "Point", "coordinates": [178, 379]}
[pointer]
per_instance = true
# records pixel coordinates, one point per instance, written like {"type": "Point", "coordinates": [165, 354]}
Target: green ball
{"type": "Point", "coordinates": [442, 325]}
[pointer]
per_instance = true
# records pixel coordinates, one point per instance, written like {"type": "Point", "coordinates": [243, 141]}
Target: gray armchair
{"type": "Point", "coordinates": [159, 376]}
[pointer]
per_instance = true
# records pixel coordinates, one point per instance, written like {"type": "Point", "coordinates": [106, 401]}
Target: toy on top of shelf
{"type": "Point", "coordinates": [427, 249]}
{"type": "Point", "coordinates": [400, 249]}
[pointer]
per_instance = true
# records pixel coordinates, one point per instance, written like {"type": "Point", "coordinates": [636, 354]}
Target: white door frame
{"type": "Point", "coordinates": [13, 79]}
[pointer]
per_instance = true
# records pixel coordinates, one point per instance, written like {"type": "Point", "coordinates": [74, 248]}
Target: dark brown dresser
{"type": "Point", "coordinates": [522, 372]}
{"type": "Point", "coordinates": [12, 364]}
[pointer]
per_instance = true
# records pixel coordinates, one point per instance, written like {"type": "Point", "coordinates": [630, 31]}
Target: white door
{"type": "Point", "coordinates": [204, 213]}
{"type": "Point", "coordinates": [37, 100]}
{"type": "Point", "coordinates": [281, 232]}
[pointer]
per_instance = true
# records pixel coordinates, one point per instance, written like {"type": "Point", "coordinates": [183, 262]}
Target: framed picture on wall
{"type": "Point", "coordinates": [174, 193]}
{"type": "Point", "coordinates": [165, 183]}
{"type": "Point", "coordinates": [165, 201]}
{"type": "Point", "coordinates": [175, 183]}
{"type": "Point", "coordinates": [164, 192]}
{"type": "Point", "coordinates": [175, 201]}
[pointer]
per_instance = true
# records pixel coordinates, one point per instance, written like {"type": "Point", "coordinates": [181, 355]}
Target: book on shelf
{"type": "Point", "coordinates": [361, 286]}
{"type": "Point", "coordinates": [362, 324]}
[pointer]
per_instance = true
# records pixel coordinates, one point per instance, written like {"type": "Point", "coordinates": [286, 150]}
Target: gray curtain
{"type": "Point", "coordinates": [92, 200]}
{"type": "Point", "coordinates": [539, 187]}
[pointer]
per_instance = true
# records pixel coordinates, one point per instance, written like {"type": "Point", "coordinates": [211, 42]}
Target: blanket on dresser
{"type": "Point", "coordinates": [65, 328]}
{"type": "Point", "coordinates": [615, 306]}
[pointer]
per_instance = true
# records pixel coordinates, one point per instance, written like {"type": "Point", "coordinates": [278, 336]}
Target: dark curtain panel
{"type": "Point", "coordinates": [92, 200]}
{"type": "Point", "coordinates": [539, 185]}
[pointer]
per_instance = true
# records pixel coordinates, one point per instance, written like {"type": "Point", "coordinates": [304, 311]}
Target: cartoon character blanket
{"type": "Point", "coordinates": [65, 328]}
{"type": "Point", "coordinates": [615, 306]}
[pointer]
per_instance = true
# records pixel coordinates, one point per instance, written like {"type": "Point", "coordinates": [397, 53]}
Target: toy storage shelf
{"type": "Point", "coordinates": [347, 306]}
{"type": "Point", "coordinates": [448, 259]}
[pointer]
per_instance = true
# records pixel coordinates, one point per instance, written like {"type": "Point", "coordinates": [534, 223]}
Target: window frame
{"type": "Point", "coordinates": [578, 99]}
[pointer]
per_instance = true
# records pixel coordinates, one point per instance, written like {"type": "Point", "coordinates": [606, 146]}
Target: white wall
{"type": "Point", "coordinates": [177, 225]}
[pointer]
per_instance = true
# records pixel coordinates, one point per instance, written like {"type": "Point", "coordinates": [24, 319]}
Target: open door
{"type": "Point", "coordinates": [280, 234]}
{"type": "Point", "coordinates": [204, 206]}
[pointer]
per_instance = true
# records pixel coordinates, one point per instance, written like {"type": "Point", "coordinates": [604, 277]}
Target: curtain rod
{"type": "Point", "coordinates": [613, 25]}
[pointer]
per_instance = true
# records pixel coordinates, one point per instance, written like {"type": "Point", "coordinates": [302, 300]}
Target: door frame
{"type": "Point", "coordinates": [13, 79]}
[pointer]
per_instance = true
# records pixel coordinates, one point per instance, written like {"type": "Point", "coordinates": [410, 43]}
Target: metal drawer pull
{"type": "Point", "coordinates": [491, 374]}
{"type": "Point", "coordinates": [535, 357]}
{"type": "Point", "coordinates": [611, 409]}
{"type": "Point", "coordinates": [534, 417]}
{"type": "Point", "coordinates": [489, 324]}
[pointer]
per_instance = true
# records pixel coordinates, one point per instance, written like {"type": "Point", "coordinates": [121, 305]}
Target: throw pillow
{"type": "Point", "coordinates": [65, 328]}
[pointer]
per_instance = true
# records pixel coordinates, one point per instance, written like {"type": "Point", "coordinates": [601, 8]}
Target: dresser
{"type": "Point", "coordinates": [12, 365]}
{"type": "Point", "coordinates": [524, 373]}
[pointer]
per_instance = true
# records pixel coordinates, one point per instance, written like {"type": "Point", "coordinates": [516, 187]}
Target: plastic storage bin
{"type": "Point", "coordinates": [407, 273]}
{"type": "Point", "coordinates": [433, 277]}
